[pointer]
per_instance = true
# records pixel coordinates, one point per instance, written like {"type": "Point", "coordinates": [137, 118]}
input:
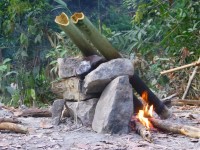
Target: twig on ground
{"type": "Point", "coordinates": [169, 97]}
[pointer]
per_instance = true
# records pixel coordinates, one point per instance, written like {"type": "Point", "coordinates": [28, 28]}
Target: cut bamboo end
{"type": "Point", "coordinates": [62, 19]}
{"type": "Point", "coordinates": [75, 35]}
{"type": "Point", "coordinates": [92, 34]}
{"type": "Point", "coordinates": [77, 16]}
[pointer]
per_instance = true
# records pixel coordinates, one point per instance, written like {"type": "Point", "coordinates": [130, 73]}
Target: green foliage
{"type": "Point", "coordinates": [4, 70]}
{"type": "Point", "coordinates": [159, 27]}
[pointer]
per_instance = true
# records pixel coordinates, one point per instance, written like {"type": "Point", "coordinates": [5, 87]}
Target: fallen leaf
{"type": "Point", "coordinates": [45, 125]}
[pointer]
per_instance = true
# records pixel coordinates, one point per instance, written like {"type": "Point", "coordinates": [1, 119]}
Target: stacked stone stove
{"type": "Point", "coordinates": [97, 92]}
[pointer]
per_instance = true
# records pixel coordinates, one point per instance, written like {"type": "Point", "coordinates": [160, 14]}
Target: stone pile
{"type": "Point", "coordinates": [97, 92]}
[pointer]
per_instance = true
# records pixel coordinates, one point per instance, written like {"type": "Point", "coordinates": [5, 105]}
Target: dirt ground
{"type": "Point", "coordinates": [70, 136]}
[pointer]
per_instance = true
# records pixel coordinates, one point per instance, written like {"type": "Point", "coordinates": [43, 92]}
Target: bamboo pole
{"type": "Point", "coordinates": [75, 35]}
{"type": "Point", "coordinates": [99, 41]}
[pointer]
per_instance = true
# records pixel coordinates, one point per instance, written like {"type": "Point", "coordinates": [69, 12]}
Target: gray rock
{"type": "Point", "coordinates": [83, 67]}
{"type": "Point", "coordinates": [114, 108]}
{"type": "Point", "coordinates": [67, 67]}
{"type": "Point", "coordinates": [88, 64]}
{"type": "Point", "coordinates": [71, 89]}
{"type": "Point", "coordinates": [57, 108]}
{"type": "Point", "coordinates": [97, 80]}
{"type": "Point", "coordinates": [71, 67]}
{"type": "Point", "coordinates": [84, 110]}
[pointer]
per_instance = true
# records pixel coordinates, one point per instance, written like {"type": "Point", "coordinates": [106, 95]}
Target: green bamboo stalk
{"type": "Point", "coordinates": [75, 35]}
{"type": "Point", "coordinates": [99, 41]}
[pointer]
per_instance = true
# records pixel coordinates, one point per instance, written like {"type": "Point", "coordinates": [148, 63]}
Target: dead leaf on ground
{"type": "Point", "coordinates": [45, 124]}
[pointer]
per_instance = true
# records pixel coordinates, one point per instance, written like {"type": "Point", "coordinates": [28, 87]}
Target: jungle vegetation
{"type": "Point", "coordinates": [30, 41]}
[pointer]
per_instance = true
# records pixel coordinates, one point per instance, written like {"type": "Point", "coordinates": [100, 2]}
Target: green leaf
{"type": "Point", "coordinates": [23, 39]}
{"type": "Point", "coordinates": [33, 95]}
{"type": "Point", "coordinates": [3, 68]}
{"type": "Point", "coordinates": [6, 60]}
{"type": "Point", "coordinates": [38, 39]}
{"type": "Point", "coordinates": [61, 3]}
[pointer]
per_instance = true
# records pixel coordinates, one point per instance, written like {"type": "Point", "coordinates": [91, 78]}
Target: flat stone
{"type": "Point", "coordinates": [98, 79]}
{"type": "Point", "coordinates": [67, 67]}
{"type": "Point", "coordinates": [114, 108]}
{"type": "Point", "coordinates": [71, 89]}
{"type": "Point", "coordinates": [56, 110]}
{"type": "Point", "coordinates": [88, 64]}
{"type": "Point", "coordinates": [84, 110]}
{"type": "Point", "coordinates": [76, 66]}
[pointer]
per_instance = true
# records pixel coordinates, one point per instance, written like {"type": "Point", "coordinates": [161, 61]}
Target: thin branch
{"type": "Point", "coordinates": [190, 79]}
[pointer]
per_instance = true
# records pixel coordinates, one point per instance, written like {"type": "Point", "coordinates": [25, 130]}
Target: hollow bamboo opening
{"type": "Point", "coordinates": [62, 19]}
{"type": "Point", "coordinates": [77, 16]}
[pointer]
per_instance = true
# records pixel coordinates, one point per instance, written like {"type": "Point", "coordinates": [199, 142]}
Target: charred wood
{"type": "Point", "coordinates": [137, 104]}
{"type": "Point", "coordinates": [140, 87]}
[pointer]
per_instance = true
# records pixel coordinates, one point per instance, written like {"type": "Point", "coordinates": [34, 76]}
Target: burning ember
{"type": "Point", "coordinates": [147, 112]}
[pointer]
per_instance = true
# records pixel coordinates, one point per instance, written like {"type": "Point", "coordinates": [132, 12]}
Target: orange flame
{"type": "Point", "coordinates": [144, 114]}
{"type": "Point", "coordinates": [145, 96]}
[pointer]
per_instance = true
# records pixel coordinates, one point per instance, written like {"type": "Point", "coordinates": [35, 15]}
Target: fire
{"type": "Point", "coordinates": [145, 96]}
{"type": "Point", "coordinates": [144, 114]}
{"type": "Point", "coordinates": [147, 112]}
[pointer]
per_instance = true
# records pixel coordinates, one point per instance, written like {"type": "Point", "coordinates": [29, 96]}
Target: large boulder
{"type": "Point", "coordinates": [97, 80]}
{"type": "Point", "coordinates": [84, 110]}
{"type": "Point", "coordinates": [114, 108]}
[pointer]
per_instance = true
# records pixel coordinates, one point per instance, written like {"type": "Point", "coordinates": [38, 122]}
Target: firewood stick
{"type": "Point", "coordinates": [143, 131]}
{"type": "Point", "coordinates": [176, 128]}
{"type": "Point", "coordinates": [12, 120]}
{"type": "Point", "coordinates": [35, 112]}
{"type": "Point", "coordinates": [13, 127]}
{"type": "Point", "coordinates": [181, 67]}
{"type": "Point", "coordinates": [181, 102]}
{"type": "Point", "coordinates": [185, 102]}
{"type": "Point", "coordinates": [190, 80]}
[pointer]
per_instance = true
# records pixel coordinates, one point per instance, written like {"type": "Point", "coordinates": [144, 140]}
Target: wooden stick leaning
{"type": "Point", "coordinates": [190, 80]}
{"type": "Point", "coordinates": [181, 67]}
{"type": "Point", "coordinates": [176, 128]}
{"type": "Point", "coordinates": [75, 35]}
{"type": "Point", "coordinates": [93, 35]}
